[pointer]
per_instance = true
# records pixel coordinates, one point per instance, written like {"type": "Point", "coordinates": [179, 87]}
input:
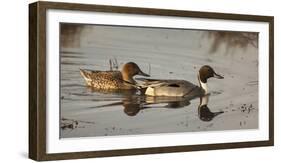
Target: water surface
{"type": "Point", "coordinates": [165, 54]}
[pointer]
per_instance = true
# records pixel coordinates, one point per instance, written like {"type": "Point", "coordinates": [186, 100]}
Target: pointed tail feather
{"type": "Point", "coordinates": [85, 74]}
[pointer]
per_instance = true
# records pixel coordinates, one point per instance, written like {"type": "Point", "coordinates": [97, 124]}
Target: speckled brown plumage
{"type": "Point", "coordinates": [116, 80]}
{"type": "Point", "coordinates": [105, 79]}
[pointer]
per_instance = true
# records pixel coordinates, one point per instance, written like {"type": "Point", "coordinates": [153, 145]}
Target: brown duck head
{"type": "Point", "coordinates": [131, 69]}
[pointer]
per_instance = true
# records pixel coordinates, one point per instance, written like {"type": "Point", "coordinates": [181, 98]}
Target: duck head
{"type": "Point", "coordinates": [131, 69]}
{"type": "Point", "coordinates": [205, 73]}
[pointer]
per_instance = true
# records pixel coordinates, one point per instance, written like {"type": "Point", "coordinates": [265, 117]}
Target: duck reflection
{"type": "Point", "coordinates": [126, 92]}
{"type": "Point", "coordinates": [133, 106]}
{"type": "Point", "coordinates": [204, 113]}
{"type": "Point", "coordinates": [133, 103]}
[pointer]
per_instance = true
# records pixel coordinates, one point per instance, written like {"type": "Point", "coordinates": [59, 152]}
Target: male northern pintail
{"type": "Point", "coordinates": [156, 87]}
{"type": "Point", "coordinates": [113, 79]}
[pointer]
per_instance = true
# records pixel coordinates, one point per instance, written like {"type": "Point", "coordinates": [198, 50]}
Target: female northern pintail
{"type": "Point", "coordinates": [155, 87]}
{"type": "Point", "coordinates": [113, 79]}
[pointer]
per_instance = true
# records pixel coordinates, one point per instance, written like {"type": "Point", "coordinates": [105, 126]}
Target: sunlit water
{"type": "Point", "coordinates": [165, 54]}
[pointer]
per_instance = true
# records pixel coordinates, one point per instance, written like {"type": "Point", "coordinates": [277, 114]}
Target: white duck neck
{"type": "Point", "coordinates": [203, 85]}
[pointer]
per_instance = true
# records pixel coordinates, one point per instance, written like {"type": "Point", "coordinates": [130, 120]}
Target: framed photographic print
{"type": "Point", "coordinates": [112, 81]}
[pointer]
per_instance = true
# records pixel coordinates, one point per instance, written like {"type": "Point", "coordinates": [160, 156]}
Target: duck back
{"type": "Point", "coordinates": [181, 88]}
{"type": "Point", "coordinates": [104, 79]}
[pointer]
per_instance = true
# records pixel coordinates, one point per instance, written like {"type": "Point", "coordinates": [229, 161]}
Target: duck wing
{"type": "Point", "coordinates": [103, 79]}
{"type": "Point", "coordinates": [154, 82]}
{"type": "Point", "coordinates": [99, 75]}
{"type": "Point", "coordinates": [158, 87]}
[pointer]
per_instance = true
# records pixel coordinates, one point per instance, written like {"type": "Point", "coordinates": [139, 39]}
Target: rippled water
{"type": "Point", "coordinates": [165, 54]}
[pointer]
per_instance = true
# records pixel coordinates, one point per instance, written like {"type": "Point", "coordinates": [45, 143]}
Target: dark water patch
{"type": "Point", "coordinates": [75, 63]}
{"type": "Point", "coordinates": [93, 100]}
{"type": "Point", "coordinates": [72, 124]}
{"type": "Point", "coordinates": [246, 108]}
{"type": "Point", "coordinates": [214, 93]}
{"type": "Point", "coordinates": [252, 83]}
{"type": "Point", "coordinates": [72, 85]}
{"type": "Point", "coordinates": [74, 76]}
{"type": "Point", "coordinates": [66, 52]}
{"type": "Point", "coordinates": [106, 105]}
{"type": "Point", "coordinates": [73, 57]}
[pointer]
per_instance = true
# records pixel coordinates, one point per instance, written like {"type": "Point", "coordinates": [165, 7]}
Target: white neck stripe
{"type": "Point", "coordinates": [203, 85]}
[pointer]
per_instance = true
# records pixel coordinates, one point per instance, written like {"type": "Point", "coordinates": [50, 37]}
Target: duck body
{"type": "Point", "coordinates": [113, 80]}
{"type": "Point", "coordinates": [104, 79]}
{"type": "Point", "coordinates": [176, 88]}
{"type": "Point", "coordinates": [182, 88]}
